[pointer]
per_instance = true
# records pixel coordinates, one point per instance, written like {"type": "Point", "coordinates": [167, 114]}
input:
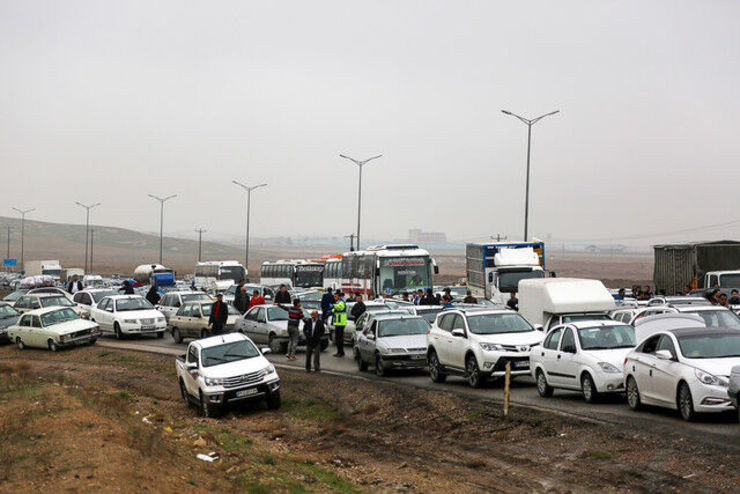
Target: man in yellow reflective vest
{"type": "Point", "coordinates": [339, 321]}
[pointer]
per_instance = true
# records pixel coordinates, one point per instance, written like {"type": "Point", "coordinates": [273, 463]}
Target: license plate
{"type": "Point", "coordinates": [520, 365]}
{"type": "Point", "coordinates": [246, 392]}
{"type": "Point", "coordinates": [148, 327]}
{"type": "Point", "coordinates": [420, 356]}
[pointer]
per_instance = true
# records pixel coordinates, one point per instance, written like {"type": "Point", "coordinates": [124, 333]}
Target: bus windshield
{"type": "Point", "coordinates": [235, 273]}
{"type": "Point", "coordinates": [309, 275]}
{"type": "Point", "coordinates": [399, 274]}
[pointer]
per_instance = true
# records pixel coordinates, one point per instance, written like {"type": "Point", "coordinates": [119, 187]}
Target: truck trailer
{"type": "Point", "coordinates": [494, 270]}
{"type": "Point", "coordinates": [696, 265]}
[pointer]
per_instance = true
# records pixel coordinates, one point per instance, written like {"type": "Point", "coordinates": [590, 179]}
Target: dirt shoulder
{"type": "Point", "coordinates": [96, 419]}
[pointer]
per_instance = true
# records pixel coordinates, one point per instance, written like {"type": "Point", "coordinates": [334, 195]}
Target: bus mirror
{"type": "Point", "coordinates": [490, 277]}
{"type": "Point", "coordinates": [436, 269]}
{"type": "Point", "coordinates": [553, 274]}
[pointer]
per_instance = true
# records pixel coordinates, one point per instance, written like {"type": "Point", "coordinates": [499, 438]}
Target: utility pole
{"type": "Point", "coordinates": [249, 202]}
{"type": "Point", "coordinates": [87, 226]}
{"type": "Point", "coordinates": [7, 254]}
{"type": "Point", "coordinates": [92, 236]}
{"type": "Point", "coordinates": [360, 164]}
{"type": "Point", "coordinates": [529, 123]}
{"type": "Point", "coordinates": [499, 237]}
{"type": "Point", "coordinates": [161, 219]}
{"type": "Point", "coordinates": [200, 231]}
{"type": "Point", "coordinates": [23, 230]}
{"type": "Point", "coordinates": [351, 238]}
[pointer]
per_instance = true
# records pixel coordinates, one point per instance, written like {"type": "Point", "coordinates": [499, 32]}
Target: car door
{"type": "Point", "coordinates": [25, 332]}
{"type": "Point", "coordinates": [457, 345]}
{"type": "Point", "coordinates": [260, 328]}
{"type": "Point", "coordinates": [191, 384]}
{"type": "Point", "coordinates": [246, 323]}
{"type": "Point", "coordinates": [643, 361]}
{"type": "Point", "coordinates": [548, 353]}
{"type": "Point", "coordinates": [182, 318]}
{"type": "Point", "coordinates": [98, 314]}
{"type": "Point", "coordinates": [363, 342]}
{"type": "Point", "coordinates": [107, 315]}
{"type": "Point", "coordinates": [566, 360]}
{"type": "Point", "coordinates": [38, 339]}
{"type": "Point", "coordinates": [441, 337]}
{"type": "Point", "coordinates": [665, 373]}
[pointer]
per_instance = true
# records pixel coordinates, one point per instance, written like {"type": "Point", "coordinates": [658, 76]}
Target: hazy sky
{"type": "Point", "coordinates": [109, 101]}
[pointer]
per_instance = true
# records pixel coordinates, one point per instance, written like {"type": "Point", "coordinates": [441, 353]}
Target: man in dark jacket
{"type": "Point", "coordinates": [282, 296]}
{"type": "Point", "coordinates": [359, 308]}
{"type": "Point", "coordinates": [326, 302]}
{"type": "Point", "coordinates": [127, 289]}
{"type": "Point", "coordinates": [241, 299]}
{"type": "Point", "coordinates": [429, 298]}
{"type": "Point", "coordinates": [219, 316]}
{"type": "Point", "coordinates": [153, 295]}
{"type": "Point", "coordinates": [513, 302]}
{"type": "Point", "coordinates": [313, 329]}
{"type": "Point", "coordinates": [75, 285]}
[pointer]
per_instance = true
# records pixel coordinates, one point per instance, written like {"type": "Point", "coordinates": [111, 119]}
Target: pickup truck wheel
{"type": "Point", "coordinates": [176, 335]}
{"type": "Point", "coordinates": [361, 364]}
{"type": "Point", "coordinates": [117, 330]}
{"type": "Point", "coordinates": [207, 409]}
{"type": "Point", "coordinates": [324, 345]}
{"type": "Point", "coordinates": [19, 343]}
{"type": "Point", "coordinates": [589, 389]}
{"type": "Point", "coordinates": [273, 400]}
{"type": "Point", "coordinates": [52, 346]}
{"type": "Point", "coordinates": [435, 369]}
{"type": "Point", "coordinates": [472, 372]}
{"type": "Point", "coordinates": [379, 366]}
{"type": "Point", "coordinates": [543, 389]}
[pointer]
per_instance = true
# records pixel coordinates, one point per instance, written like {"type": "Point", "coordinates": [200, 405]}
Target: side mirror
{"type": "Point", "coordinates": [191, 365]}
{"type": "Point", "coordinates": [539, 327]}
{"type": "Point", "coordinates": [664, 355]}
{"type": "Point", "coordinates": [458, 332]}
{"type": "Point", "coordinates": [265, 350]}
{"type": "Point", "coordinates": [370, 336]}
{"type": "Point", "coordinates": [490, 277]}
{"type": "Point", "coordinates": [436, 269]}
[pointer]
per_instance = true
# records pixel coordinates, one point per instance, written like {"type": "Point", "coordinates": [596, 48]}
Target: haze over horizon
{"type": "Point", "coordinates": [107, 103]}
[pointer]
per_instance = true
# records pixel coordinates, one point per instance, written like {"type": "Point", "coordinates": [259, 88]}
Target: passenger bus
{"type": "Point", "coordinates": [295, 273]}
{"type": "Point", "coordinates": [219, 275]}
{"type": "Point", "coordinates": [332, 272]}
{"type": "Point", "coordinates": [387, 269]}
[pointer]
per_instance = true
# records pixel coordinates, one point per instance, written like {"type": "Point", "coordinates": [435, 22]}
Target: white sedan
{"type": "Point", "coordinates": [128, 315]}
{"type": "Point", "coordinates": [52, 328]}
{"type": "Point", "coordinates": [686, 369]}
{"type": "Point", "coordinates": [586, 356]}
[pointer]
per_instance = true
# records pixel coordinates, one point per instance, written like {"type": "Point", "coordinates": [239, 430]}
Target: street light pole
{"type": "Point", "coordinates": [249, 201]}
{"type": "Point", "coordinates": [7, 255]}
{"type": "Point", "coordinates": [529, 123]}
{"type": "Point", "coordinates": [23, 229]}
{"type": "Point", "coordinates": [200, 240]}
{"type": "Point", "coordinates": [92, 237]}
{"type": "Point", "coordinates": [360, 164]}
{"type": "Point", "coordinates": [87, 227]}
{"type": "Point", "coordinates": [161, 219]}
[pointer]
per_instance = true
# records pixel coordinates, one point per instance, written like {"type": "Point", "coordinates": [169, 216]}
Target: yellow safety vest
{"type": "Point", "coordinates": [340, 313]}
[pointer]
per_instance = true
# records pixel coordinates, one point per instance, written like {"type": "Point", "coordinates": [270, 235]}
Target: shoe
{"type": "Point", "coordinates": [287, 355]}
{"type": "Point", "coordinates": [336, 355]}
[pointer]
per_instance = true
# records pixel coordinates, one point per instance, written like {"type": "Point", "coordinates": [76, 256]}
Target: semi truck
{"type": "Point", "coordinates": [494, 270]}
{"type": "Point", "coordinates": [696, 265]}
{"type": "Point", "coordinates": [50, 268]}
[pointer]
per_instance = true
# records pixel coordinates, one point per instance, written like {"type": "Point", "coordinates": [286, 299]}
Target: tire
{"type": "Point", "coordinates": [160, 335]}
{"type": "Point", "coordinates": [361, 364]}
{"type": "Point", "coordinates": [203, 333]}
{"type": "Point", "coordinates": [686, 403]}
{"type": "Point", "coordinates": [633, 394]}
{"type": "Point", "coordinates": [52, 345]}
{"type": "Point", "coordinates": [117, 331]}
{"type": "Point", "coordinates": [176, 335]}
{"type": "Point", "coordinates": [273, 400]}
{"type": "Point", "coordinates": [274, 344]}
{"type": "Point", "coordinates": [207, 409]}
{"type": "Point", "coordinates": [543, 388]}
{"type": "Point", "coordinates": [184, 394]}
{"type": "Point", "coordinates": [324, 345]}
{"type": "Point", "coordinates": [379, 367]}
{"type": "Point", "coordinates": [472, 372]}
{"type": "Point", "coordinates": [590, 394]}
{"type": "Point", "coordinates": [435, 369]}
{"type": "Point", "coordinates": [19, 343]}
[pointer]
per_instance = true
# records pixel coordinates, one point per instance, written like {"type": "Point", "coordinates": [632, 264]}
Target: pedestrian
{"type": "Point", "coordinates": [75, 285]}
{"type": "Point", "coordinates": [153, 295]}
{"type": "Point", "coordinates": [359, 308]}
{"type": "Point", "coordinates": [469, 298]}
{"type": "Point", "coordinates": [126, 288]}
{"type": "Point", "coordinates": [257, 299]}
{"type": "Point", "coordinates": [405, 296]}
{"type": "Point", "coordinates": [687, 290]}
{"type": "Point", "coordinates": [282, 296]}
{"type": "Point", "coordinates": [326, 302]}
{"type": "Point", "coordinates": [723, 300]}
{"type": "Point", "coordinates": [295, 316]}
{"type": "Point", "coordinates": [417, 297]}
{"type": "Point", "coordinates": [219, 315]}
{"type": "Point", "coordinates": [645, 294]}
{"type": "Point", "coordinates": [241, 299]}
{"type": "Point", "coordinates": [734, 299]}
{"type": "Point", "coordinates": [513, 302]}
{"type": "Point", "coordinates": [447, 291]}
{"type": "Point", "coordinates": [619, 295]}
{"type": "Point", "coordinates": [339, 321]}
{"type": "Point", "coordinates": [447, 302]}
{"type": "Point", "coordinates": [429, 298]}
{"type": "Point", "coordinates": [314, 330]}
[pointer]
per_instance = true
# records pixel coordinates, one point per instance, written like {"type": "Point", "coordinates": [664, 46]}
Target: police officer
{"type": "Point", "coordinates": [339, 321]}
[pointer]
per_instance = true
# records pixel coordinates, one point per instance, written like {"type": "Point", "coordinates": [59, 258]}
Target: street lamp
{"type": "Point", "coordinates": [161, 218]}
{"type": "Point", "coordinates": [529, 123]}
{"type": "Point", "coordinates": [359, 164]}
{"type": "Point", "coordinates": [200, 232]}
{"type": "Point", "coordinates": [87, 227]}
{"type": "Point", "coordinates": [23, 225]}
{"type": "Point", "coordinates": [249, 201]}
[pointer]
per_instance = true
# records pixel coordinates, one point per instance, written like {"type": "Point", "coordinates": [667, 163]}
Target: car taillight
{"type": "Point", "coordinates": [625, 361]}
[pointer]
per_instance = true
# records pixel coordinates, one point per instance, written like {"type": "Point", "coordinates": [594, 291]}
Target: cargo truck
{"type": "Point", "coordinates": [154, 273]}
{"type": "Point", "coordinates": [494, 270]}
{"type": "Point", "coordinates": [696, 265]}
{"type": "Point", "coordinates": [50, 268]}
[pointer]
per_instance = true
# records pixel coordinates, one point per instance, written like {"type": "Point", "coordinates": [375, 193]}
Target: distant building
{"type": "Point", "coordinates": [604, 249]}
{"type": "Point", "coordinates": [419, 237]}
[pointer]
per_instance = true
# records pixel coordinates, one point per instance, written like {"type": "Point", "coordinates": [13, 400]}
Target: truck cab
{"type": "Point", "coordinates": [495, 270]}
{"type": "Point", "coordinates": [726, 280]}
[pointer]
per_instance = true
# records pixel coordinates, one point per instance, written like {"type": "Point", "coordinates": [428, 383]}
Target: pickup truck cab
{"type": "Point", "coordinates": [225, 369]}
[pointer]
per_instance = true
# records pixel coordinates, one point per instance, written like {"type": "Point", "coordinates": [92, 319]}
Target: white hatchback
{"type": "Point", "coordinates": [128, 315]}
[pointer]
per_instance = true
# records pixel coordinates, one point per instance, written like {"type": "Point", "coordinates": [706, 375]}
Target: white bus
{"type": "Point", "coordinates": [333, 272]}
{"type": "Point", "coordinates": [219, 275]}
{"type": "Point", "coordinates": [295, 273]}
{"type": "Point", "coordinates": [387, 269]}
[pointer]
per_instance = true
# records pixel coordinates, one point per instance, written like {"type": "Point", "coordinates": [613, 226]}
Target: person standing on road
{"type": "Point", "coordinates": [282, 296]}
{"type": "Point", "coordinates": [241, 299]}
{"type": "Point", "coordinates": [75, 285]}
{"type": "Point", "coordinates": [127, 289]}
{"type": "Point", "coordinates": [153, 295]}
{"type": "Point", "coordinates": [219, 315]}
{"type": "Point", "coordinates": [295, 316]}
{"type": "Point", "coordinates": [469, 299]}
{"type": "Point", "coordinates": [339, 321]}
{"type": "Point", "coordinates": [314, 330]}
{"type": "Point", "coordinates": [513, 302]}
{"type": "Point", "coordinates": [257, 299]}
{"type": "Point", "coordinates": [417, 297]}
{"type": "Point", "coordinates": [326, 302]}
{"type": "Point", "coordinates": [359, 308]}
{"type": "Point", "coordinates": [620, 294]}
{"type": "Point", "coordinates": [429, 298]}
{"type": "Point", "coordinates": [447, 303]}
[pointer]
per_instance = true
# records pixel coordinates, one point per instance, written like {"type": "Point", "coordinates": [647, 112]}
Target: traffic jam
{"type": "Point", "coordinates": [511, 318]}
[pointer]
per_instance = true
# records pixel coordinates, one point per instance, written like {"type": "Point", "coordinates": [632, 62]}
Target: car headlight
{"type": "Point", "coordinates": [711, 379]}
{"type": "Point", "coordinates": [130, 321]}
{"type": "Point", "coordinates": [396, 350]}
{"type": "Point", "coordinates": [214, 381]}
{"type": "Point", "coordinates": [160, 319]}
{"type": "Point", "coordinates": [270, 369]}
{"type": "Point", "coordinates": [491, 347]}
{"type": "Point", "coordinates": [610, 368]}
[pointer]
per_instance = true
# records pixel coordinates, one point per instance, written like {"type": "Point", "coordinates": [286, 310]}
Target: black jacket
{"type": "Point", "coordinates": [327, 300]}
{"type": "Point", "coordinates": [282, 298]}
{"type": "Point", "coordinates": [429, 300]}
{"type": "Point", "coordinates": [153, 296]}
{"type": "Point", "coordinates": [358, 309]}
{"type": "Point", "coordinates": [318, 334]}
{"type": "Point", "coordinates": [241, 301]}
{"type": "Point", "coordinates": [127, 290]}
{"type": "Point", "coordinates": [223, 313]}
{"type": "Point", "coordinates": [71, 284]}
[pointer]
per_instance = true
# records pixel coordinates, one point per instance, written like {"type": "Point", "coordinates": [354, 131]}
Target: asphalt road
{"type": "Point", "coordinates": [720, 430]}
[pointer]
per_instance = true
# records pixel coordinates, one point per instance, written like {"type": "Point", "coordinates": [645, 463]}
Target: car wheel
{"type": "Point", "coordinates": [472, 372]}
{"type": "Point", "coordinates": [543, 389]}
{"type": "Point", "coordinates": [633, 394]}
{"type": "Point", "coordinates": [589, 389]}
{"type": "Point", "coordinates": [324, 345]}
{"type": "Point", "coordinates": [207, 409]}
{"type": "Point", "coordinates": [19, 343]}
{"type": "Point", "coordinates": [361, 364]}
{"type": "Point", "coordinates": [273, 343]}
{"type": "Point", "coordinates": [117, 330]}
{"type": "Point", "coordinates": [52, 345]}
{"type": "Point", "coordinates": [176, 335]}
{"type": "Point", "coordinates": [379, 366]}
{"type": "Point", "coordinates": [273, 400]}
{"type": "Point", "coordinates": [184, 393]}
{"type": "Point", "coordinates": [686, 403]}
{"type": "Point", "coordinates": [435, 369]}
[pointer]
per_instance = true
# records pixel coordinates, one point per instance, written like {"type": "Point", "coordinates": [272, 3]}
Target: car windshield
{"type": "Point", "coordinates": [710, 346]}
{"type": "Point", "coordinates": [402, 327]}
{"type": "Point", "coordinates": [729, 280]}
{"type": "Point", "coordinates": [277, 314]}
{"type": "Point", "coordinates": [58, 316]}
{"type": "Point", "coordinates": [56, 301]}
{"type": "Point", "coordinates": [7, 311]}
{"type": "Point", "coordinates": [206, 308]}
{"type": "Point", "coordinates": [190, 297]}
{"type": "Point", "coordinates": [586, 317]}
{"type": "Point", "coordinates": [508, 281]}
{"type": "Point", "coordinates": [128, 304]}
{"type": "Point", "coordinates": [720, 318]}
{"type": "Point", "coordinates": [98, 296]}
{"type": "Point", "coordinates": [15, 295]}
{"type": "Point", "coordinates": [498, 324]}
{"type": "Point", "coordinates": [229, 352]}
{"type": "Point", "coordinates": [606, 337]}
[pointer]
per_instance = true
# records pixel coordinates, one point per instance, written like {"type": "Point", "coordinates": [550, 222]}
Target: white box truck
{"type": "Point", "coordinates": [50, 268]}
{"type": "Point", "coordinates": [495, 270]}
{"type": "Point", "coordinates": [548, 302]}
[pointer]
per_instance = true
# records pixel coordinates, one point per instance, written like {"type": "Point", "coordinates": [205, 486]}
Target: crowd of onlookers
{"type": "Point", "coordinates": [714, 295]}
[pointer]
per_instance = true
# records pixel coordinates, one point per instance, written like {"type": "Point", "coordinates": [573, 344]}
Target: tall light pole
{"type": "Point", "coordinates": [529, 123]}
{"type": "Point", "coordinates": [7, 255]}
{"type": "Point", "coordinates": [92, 238]}
{"type": "Point", "coordinates": [359, 164]}
{"type": "Point", "coordinates": [161, 200]}
{"type": "Point", "coordinates": [249, 200]}
{"type": "Point", "coordinates": [23, 213]}
{"type": "Point", "coordinates": [200, 232]}
{"type": "Point", "coordinates": [87, 227]}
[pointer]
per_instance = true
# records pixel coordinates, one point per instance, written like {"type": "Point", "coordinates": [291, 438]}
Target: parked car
{"type": "Point", "coordinates": [685, 369]}
{"type": "Point", "coordinates": [349, 329]}
{"type": "Point", "coordinates": [629, 316]}
{"type": "Point", "coordinates": [221, 370]}
{"type": "Point", "coordinates": [392, 341]}
{"type": "Point", "coordinates": [366, 319]}
{"type": "Point", "coordinates": [50, 289]}
{"type": "Point", "coordinates": [677, 300]}
{"type": "Point", "coordinates": [734, 388]}
{"type": "Point", "coordinates": [478, 343]}
{"type": "Point", "coordinates": [90, 297]}
{"type": "Point", "coordinates": [53, 328]}
{"type": "Point", "coordinates": [714, 316]}
{"type": "Point", "coordinates": [268, 324]}
{"type": "Point", "coordinates": [38, 300]}
{"type": "Point", "coordinates": [191, 320]}
{"type": "Point", "coordinates": [128, 315]}
{"type": "Point", "coordinates": [13, 296]}
{"type": "Point", "coordinates": [8, 317]}
{"type": "Point", "coordinates": [428, 312]}
{"type": "Point", "coordinates": [587, 356]}
{"type": "Point", "coordinates": [171, 302]}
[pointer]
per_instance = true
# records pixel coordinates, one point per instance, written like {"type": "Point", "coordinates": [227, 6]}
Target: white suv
{"type": "Point", "coordinates": [477, 344]}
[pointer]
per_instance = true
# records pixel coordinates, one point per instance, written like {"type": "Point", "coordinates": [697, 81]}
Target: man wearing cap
{"type": "Point", "coordinates": [219, 315]}
{"type": "Point", "coordinates": [339, 321]}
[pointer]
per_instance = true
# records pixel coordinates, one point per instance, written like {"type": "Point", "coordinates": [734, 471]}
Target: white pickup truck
{"type": "Point", "coordinates": [224, 369]}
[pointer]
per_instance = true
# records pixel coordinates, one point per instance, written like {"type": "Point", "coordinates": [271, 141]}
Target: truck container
{"type": "Point", "coordinates": [698, 265]}
{"type": "Point", "coordinates": [50, 268]}
{"type": "Point", "coordinates": [150, 273]}
{"type": "Point", "coordinates": [494, 270]}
